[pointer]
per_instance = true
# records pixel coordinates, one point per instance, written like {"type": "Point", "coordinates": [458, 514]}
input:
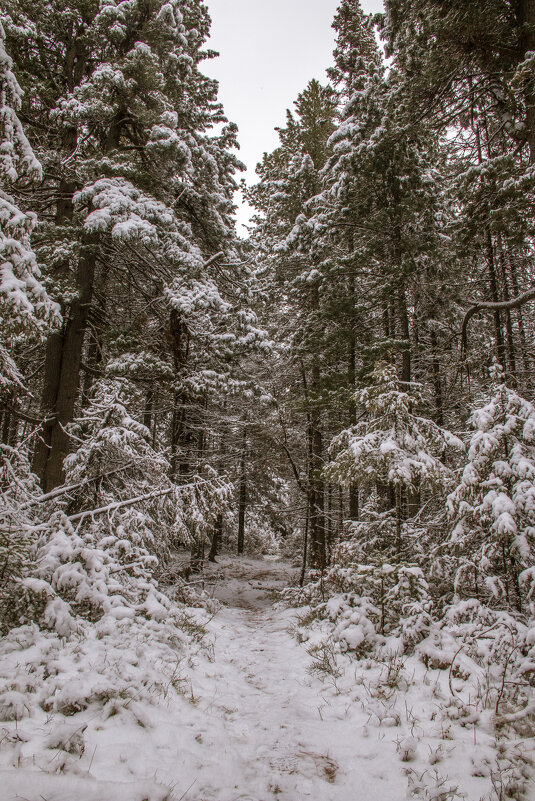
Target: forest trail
{"type": "Point", "coordinates": [265, 727]}
{"type": "Point", "coordinates": [250, 722]}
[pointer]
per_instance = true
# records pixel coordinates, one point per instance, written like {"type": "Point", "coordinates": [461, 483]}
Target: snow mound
{"type": "Point", "coordinates": [34, 786]}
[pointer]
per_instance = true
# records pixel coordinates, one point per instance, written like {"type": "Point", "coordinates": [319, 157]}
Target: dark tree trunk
{"type": "Point", "coordinates": [526, 19]}
{"type": "Point", "coordinates": [149, 408]}
{"type": "Point", "coordinates": [437, 381]}
{"type": "Point", "coordinates": [197, 556]}
{"type": "Point", "coordinates": [217, 536]}
{"type": "Point", "coordinates": [493, 284]}
{"type": "Point", "coordinates": [6, 423]}
{"type": "Point", "coordinates": [305, 546]}
{"type": "Point", "coordinates": [62, 375]}
{"type": "Point", "coordinates": [526, 361]}
{"type": "Point", "coordinates": [405, 333]}
{"type": "Point", "coordinates": [242, 492]}
{"type": "Point", "coordinates": [316, 493]}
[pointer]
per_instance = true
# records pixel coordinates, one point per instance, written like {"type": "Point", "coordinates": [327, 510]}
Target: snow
{"type": "Point", "coordinates": [251, 718]}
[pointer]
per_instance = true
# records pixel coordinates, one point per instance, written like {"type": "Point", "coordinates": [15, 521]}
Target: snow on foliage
{"type": "Point", "coordinates": [25, 307]}
{"type": "Point", "coordinates": [123, 210]}
{"type": "Point", "coordinates": [115, 462]}
{"type": "Point", "coordinates": [393, 445]}
{"type": "Point", "coordinates": [493, 507]}
{"type": "Point", "coordinates": [86, 626]}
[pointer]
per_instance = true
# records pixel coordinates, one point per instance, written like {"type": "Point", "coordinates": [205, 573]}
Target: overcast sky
{"type": "Point", "coordinates": [269, 51]}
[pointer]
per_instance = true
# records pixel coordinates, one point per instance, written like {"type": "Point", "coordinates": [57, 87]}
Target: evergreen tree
{"type": "Point", "coordinates": [493, 506]}
{"type": "Point", "coordinates": [394, 446]}
{"type": "Point", "coordinates": [25, 308]}
{"type": "Point", "coordinates": [138, 186]}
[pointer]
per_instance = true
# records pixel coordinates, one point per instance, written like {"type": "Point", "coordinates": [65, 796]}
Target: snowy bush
{"type": "Point", "coordinates": [107, 666]}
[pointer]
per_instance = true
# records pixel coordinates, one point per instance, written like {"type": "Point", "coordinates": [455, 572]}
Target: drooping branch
{"type": "Point", "coordinates": [63, 490]}
{"type": "Point", "coordinates": [112, 507]}
{"type": "Point", "coordinates": [483, 305]}
{"type": "Point", "coordinates": [28, 418]}
{"type": "Point", "coordinates": [288, 453]}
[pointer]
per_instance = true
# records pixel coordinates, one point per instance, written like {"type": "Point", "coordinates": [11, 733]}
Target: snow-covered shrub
{"type": "Point", "coordinates": [361, 603]}
{"type": "Point", "coordinates": [88, 620]}
{"type": "Point", "coordinates": [412, 604]}
{"type": "Point", "coordinates": [115, 463]}
{"type": "Point", "coordinates": [491, 649]}
{"type": "Point", "coordinates": [83, 576]}
{"type": "Point", "coordinates": [493, 507]}
{"type": "Point", "coordinates": [432, 786]}
{"type": "Point", "coordinates": [109, 666]}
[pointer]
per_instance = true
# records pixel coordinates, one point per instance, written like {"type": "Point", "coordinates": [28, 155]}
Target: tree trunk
{"type": "Point", "coordinates": [305, 546]}
{"type": "Point", "coordinates": [437, 381]}
{"type": "Point", "coordinates": [62, 375]}
{"type": "Point", "coordinates": [405, 333]}
{"type": "Point", "coordinates": [526, 20]}
{"type": "Point", "coordinates": [242, 497]}
{"type": "Point", "coordinates": [149, 408]}
{"type": "Point", "coordinates": [197, 556]}
{"type": "Point", "coordinates": [217, 536]}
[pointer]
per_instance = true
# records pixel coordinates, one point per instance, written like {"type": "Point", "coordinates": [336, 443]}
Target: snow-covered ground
{"type": "Point", "coordinates": [250, 722]}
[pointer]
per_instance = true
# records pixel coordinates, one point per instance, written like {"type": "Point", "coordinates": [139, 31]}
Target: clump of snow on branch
{"type": "Point", "coordinates": [25, 307]}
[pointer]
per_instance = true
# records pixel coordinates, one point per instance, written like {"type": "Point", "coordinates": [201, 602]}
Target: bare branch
{"type": "Point", "coordinates": [483, 305]}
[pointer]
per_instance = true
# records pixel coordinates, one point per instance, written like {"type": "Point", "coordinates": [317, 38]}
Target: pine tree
{"type": "Point", "coordinates": [493, 506]}
{"type": "Point", "coordinates": [393, 447]}
{"type": "Point", "coordinates": [289, 178]}
{"type": "Point", "coordinates": [139, 186]}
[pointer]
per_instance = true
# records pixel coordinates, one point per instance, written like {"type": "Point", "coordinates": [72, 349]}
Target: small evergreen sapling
{"type": "Point", "coordinates": [493, 507]}
{"type": "Point", "coordinates": [394, 446]}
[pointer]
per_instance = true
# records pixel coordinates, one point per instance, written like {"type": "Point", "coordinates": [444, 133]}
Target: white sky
{"type": "Point", "coordinates": [269, 51]}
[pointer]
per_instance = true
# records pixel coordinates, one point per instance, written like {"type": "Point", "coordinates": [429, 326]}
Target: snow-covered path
{"type": "Point", "coordinates": [264, 727]}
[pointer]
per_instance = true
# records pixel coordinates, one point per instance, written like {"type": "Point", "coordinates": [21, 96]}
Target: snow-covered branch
{"type": "Point", "coordinates": [483, 305]}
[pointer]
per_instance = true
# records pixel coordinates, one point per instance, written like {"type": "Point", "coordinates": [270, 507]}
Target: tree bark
{"type": "Point", "coordinates": [242, 497]}
{"type": "Point", "coordinates": [217, 536]}
{"type": "Point", "coordinates": [62, 375]}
